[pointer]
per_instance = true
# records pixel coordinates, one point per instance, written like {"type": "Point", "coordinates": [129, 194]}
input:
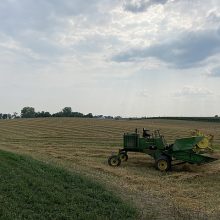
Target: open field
{"type": "Point", "coordinates": [83, 145]}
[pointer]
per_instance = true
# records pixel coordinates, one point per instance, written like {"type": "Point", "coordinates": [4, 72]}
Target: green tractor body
{"type": "Point", "coordinates": [155, 145]}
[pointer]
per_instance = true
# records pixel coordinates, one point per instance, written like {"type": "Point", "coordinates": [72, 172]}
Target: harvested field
{"type": "Point", "coordinates": [83, 145]}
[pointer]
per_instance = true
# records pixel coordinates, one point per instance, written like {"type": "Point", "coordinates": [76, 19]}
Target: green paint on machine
{"type": "Point", "coordinates": [164, 154]}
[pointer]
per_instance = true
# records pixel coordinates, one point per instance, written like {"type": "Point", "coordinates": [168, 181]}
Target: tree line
{"type": "Point", "coordinates": [6, 116]}
{"type": "Point", "coordinates": [216, 118]}
{"type": "Point", "coordinates": [29, 112]}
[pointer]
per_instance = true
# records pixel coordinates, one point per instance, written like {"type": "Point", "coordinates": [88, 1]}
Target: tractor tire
{"type": "Point", "coordinates": [163, 163]}
{"type": "Point", "coordinates": [123, 156]}
{"type": "Point", "coordinates": [114, 161]}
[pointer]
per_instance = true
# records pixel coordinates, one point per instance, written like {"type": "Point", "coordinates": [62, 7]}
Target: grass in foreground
{"type": "Point", "coordinates": [30, 189]}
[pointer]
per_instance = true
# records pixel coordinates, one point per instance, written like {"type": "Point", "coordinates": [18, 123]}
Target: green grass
{"type": "Point", "coordinates": [30, 189]}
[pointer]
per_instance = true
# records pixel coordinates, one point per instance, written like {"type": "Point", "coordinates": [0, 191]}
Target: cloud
{"type": "Point", "coordinates": [193, 91]}
{"type": "Point", "coordinates": [29, 14]}
{"type": "Point", "coordinates": [65, 47]}
{"type": "Point", "coordinates": [51, 15]}
{"type": "Point", "coordinates": [144, 94]}
{"type": "Point", "coordinates": [187, 50]}
{"type": "Point", "coordinates": [215, 72]}
{"type": "Point", "coordinates": [213, 17]}
{"type": "Point", "coordinates": [137, 6]}
{"type": "Point", "coordinates": [39, 27]}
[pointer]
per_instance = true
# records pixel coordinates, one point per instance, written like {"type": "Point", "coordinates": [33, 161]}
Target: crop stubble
{"type": "Point", "coordinates": [84, 145]}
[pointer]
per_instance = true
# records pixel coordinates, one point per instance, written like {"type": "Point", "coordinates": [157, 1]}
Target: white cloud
{"type": "Point", "coordinates": [189, 49]}
{"type": "Point", "coordinates": [192, 91]}
{"type": "Point", "coordinates": [137, 6]}
{"type": "Point", "coordinates": [53, 50]}
{"type": "Point", "coordinates": [144, 93]}
{"type": "Point", "coordinates": [214, 72]}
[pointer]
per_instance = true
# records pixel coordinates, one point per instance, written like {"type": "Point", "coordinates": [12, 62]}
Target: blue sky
{"type": "Point", "coordinates": [111, 57]}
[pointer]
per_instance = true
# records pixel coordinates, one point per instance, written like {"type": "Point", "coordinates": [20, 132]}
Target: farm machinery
{"type": "Point", "coordinates": [191, 149]}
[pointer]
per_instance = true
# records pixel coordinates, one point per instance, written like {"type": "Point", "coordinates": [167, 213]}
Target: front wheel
{"type": "Point", "coordinates": [163, 163]}
{"type": "Point", "coordinates": [123, 156]}
{"type": "Point", "coordinates": [114, 161]}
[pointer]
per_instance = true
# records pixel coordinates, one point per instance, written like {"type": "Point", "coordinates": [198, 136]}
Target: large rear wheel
{"type": "Point", "coordinates": [163, 163]}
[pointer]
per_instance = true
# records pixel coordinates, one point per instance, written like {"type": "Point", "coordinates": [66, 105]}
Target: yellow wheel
{"type": "Point", "coordinates": [163, 163]}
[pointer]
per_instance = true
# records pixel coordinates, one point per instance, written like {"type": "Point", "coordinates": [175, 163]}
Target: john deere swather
{"type": "Point", "coordinates": [185, 150]}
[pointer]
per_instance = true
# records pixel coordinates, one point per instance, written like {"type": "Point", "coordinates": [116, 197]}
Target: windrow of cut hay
{"type": "Point", "coordinates": [83, 145]}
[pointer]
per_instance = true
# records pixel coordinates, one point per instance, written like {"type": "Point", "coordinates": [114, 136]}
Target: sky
{"type": "Point", "coordinates": [111, 57]}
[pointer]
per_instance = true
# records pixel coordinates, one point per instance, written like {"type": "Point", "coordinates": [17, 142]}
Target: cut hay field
{"type": "Point", "coordinates": [83, 145]}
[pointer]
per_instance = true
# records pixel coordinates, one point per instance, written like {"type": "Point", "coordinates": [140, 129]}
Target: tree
{"type": "Point", "coordinates": [67, 112]}
{"type": "Point", "coordinates": [89, 115]}
{"type": "Point", "coordinates": [28, 112]}
{"type": "Point", "coordinates": [15, 115]}
{"type": "Point", "coordinates": [109, 117]}
{"type": "Point", "coordinates": [42, 114]}
{"type": "Point", "coordinates": [118, 117]}
{"type": "Point", "coordinates": [4, 116]}
{"type": "Point", "coordinates": [58, 114]}
{"type": "Point", "coordinates": [47, 114]}
{"type": "Point", "coordinates": [77, 114]}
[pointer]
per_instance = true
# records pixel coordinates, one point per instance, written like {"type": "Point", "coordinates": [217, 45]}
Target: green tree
{"type": "Point", "coordinates": [77, 114]}
{"type": "Point", "coordinates": [42, 114]}
{"type": "Point", "coordinates": [4, 116]}
{"type": "Point", "coordinates": [15, 115]}
{"type": "Point", "coordinates": [89, 115]}
{"type": "Point", "coordinates": [28, 112]}
{"type": "Point", "coordinates": [67, 112]}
